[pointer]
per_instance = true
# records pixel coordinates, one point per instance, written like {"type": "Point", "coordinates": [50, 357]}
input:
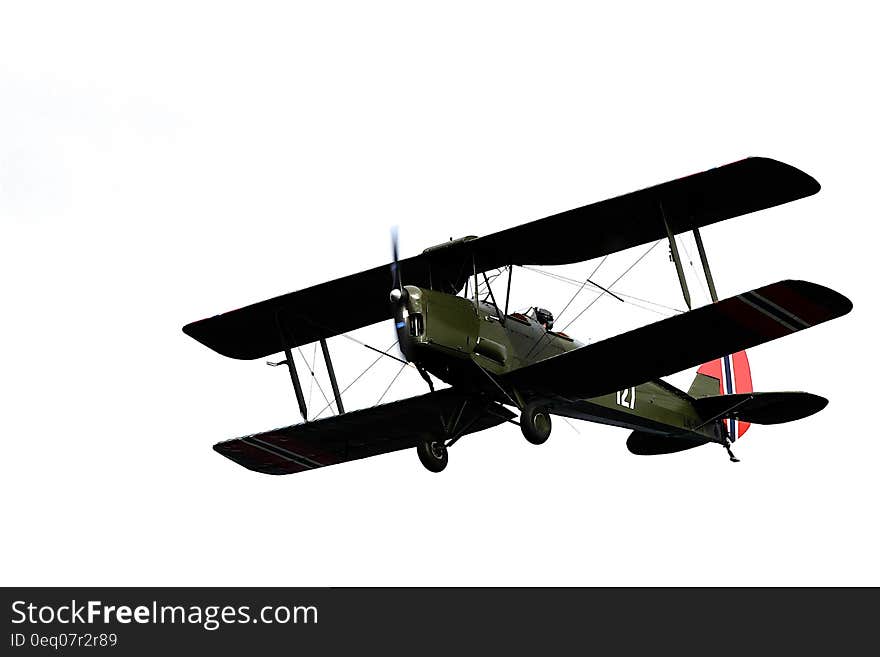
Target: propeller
{"type": "Point", "coordinates": [395, 263]}
{"type": "Point", "coordinates": [398, 296]}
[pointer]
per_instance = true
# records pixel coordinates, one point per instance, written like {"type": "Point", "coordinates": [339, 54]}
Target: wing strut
{"type": "Point", "coordinates": [712, 293]}
{"type": "Point", "coordinates": [503, 318]}
{"type": "Point", "coordinates": [291, 366]}
{"type": "Point", "coordinates": [332, 373]}
{"type": "Point", "coordinates": [708, 272]}
{"type": "Point", "coordinates": [509, 279]}
{"type": "Point", "coordinates": [673, 250]}
{"type": "Point", "coordinates": [297, 386]}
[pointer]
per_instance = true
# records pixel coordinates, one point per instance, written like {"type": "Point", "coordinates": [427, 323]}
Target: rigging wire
{"type": "Point", "coordinates": [314, 379]}
{"type": "Point", "coordinates": [628, 298]}
{"type": "Point", "coordinates": [617, 280]}
{"type": "Point", "coordinates": [361, 343]}
{"type": "Point", "coordinates": [357, 378]}
{"type": "Point", "coordinates": [583, 285]}
{"type": "Point", "coordinates": [605, 290]}
{"type": "Point", "coordinates": [703, 287]}
{"type": "Point", "coordinates": [570, 424]}
{"type": "Point", "coordinates": [371, 348]}
{"type": "Point", "coordinates": [382, 396]}
{"type": "Point", "coordinates": [574, 296]}
{"type": "Point", "coordinates": [483, 288]}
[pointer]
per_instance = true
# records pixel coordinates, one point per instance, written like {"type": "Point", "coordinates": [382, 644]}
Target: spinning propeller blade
{"type": "Point", "coordinates": [398, 295]}
{"type": "Point", "coordinates": [395, 262]}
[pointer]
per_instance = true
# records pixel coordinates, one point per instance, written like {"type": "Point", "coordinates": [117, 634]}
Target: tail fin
{"type": "Point", "coordinates": [729, 375]}
{"type": "Point", "coordinates": [722, 391]}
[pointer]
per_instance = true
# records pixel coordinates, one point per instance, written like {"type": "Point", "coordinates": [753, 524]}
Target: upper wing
{"type": "Point", "coordinates": [320, 311]}
{"type": "Point", "coordinates": [682, 341]}
{"type": "Point", "coordinates": [625, 221]}
{"type": "Point", "coordinates": [351, 302]}
{"type": "Point", "coordinates": [363, 433]}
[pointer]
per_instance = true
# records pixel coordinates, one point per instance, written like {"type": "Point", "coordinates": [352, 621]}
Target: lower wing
{"type": "Point", "coordinates": [363, 433]}
{"type": "Point", "coordinates": [682, 341]}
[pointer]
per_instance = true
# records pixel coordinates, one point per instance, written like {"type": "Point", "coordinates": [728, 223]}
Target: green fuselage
{"type": "Point", "coordinates": [448, 335]}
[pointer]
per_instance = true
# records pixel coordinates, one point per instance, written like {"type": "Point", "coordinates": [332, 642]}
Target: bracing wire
{"type": "Point", "coordinates": [312, 381]}
{"type": "Point", "coordinates": [382, 396]}
{"type": "Point", "coordinates": [616, 281]}
{"type": "Point", "coordinates": [629, 297]}
{"type": "Point", "coordinates": [570, 424]}
{"type": "Point", "coordinates": [604, 291]}
{"type": "Point", "coordinates": [573, 297]}
{"type": "Point", "coordinates": [583, 285]}
{"type": "Point", "coordinates": [357, 378]}
{"type": "Point", "coordinates": [483, 288]}
{"type": "Point", "coordinates": [371, 348]}
{"type": "Point", "coordinates": [697, 275]}
{"type": "Point", "coordinates": [314, 378]}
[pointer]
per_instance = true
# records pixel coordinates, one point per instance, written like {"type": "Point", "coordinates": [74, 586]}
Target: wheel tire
{"type": "Point", "coordinates": [535, 424]}
{"type": "Point", "coordinates": [433, 455]}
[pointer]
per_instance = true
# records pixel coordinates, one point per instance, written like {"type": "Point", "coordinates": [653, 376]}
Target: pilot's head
{"type": "Point", "coordinates": [545, 318]}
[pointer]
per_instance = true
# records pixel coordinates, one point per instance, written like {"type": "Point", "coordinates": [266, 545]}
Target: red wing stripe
{"type": "Point", "coordinates": [280, 451]}
{"type": "Point", "coordinates": [781, 310]}
{"type": "Point", "coordinates": [768, 313]}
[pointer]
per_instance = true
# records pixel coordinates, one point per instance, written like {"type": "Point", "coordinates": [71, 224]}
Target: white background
{"type": "Point", "coordinates": [160, 163]}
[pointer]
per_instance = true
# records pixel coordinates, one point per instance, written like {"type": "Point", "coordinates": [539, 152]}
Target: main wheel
{"type": "Point", "coordinates": [433, 455]}
{"type": "Point", "coordinates": [535, 424]}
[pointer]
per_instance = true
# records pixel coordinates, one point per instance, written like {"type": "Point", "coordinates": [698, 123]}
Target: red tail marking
{"type": "Point", "coordinates": [734, 376]}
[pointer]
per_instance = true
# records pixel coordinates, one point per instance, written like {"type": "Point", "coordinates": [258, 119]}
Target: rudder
{"type": "Point", "coordinates": [729, 375]}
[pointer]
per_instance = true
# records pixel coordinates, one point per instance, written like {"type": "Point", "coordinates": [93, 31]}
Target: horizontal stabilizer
{"type": "Point", "coordinates": [651, 444]}
{"type": "Point", "coordinates": [686, 340]}
{"type": "Point", "coordinates": [359, 434]}
{"type": "Point", "coordinates": [761, 407]}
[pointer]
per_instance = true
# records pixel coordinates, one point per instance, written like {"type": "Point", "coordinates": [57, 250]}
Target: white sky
{"type": "Point", "coordinates": [164, 162]}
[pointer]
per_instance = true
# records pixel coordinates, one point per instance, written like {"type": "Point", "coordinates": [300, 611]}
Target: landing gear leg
{"type": "Point", "coordinates": [724, 438]}
{"type": "Point", "coordinates": [424, 374]}
{"type": "Point", "coordinates": [730, 453]}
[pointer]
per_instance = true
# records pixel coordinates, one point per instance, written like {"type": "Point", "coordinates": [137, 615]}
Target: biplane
{"type": "Point", "coordinates": [503, 366]}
